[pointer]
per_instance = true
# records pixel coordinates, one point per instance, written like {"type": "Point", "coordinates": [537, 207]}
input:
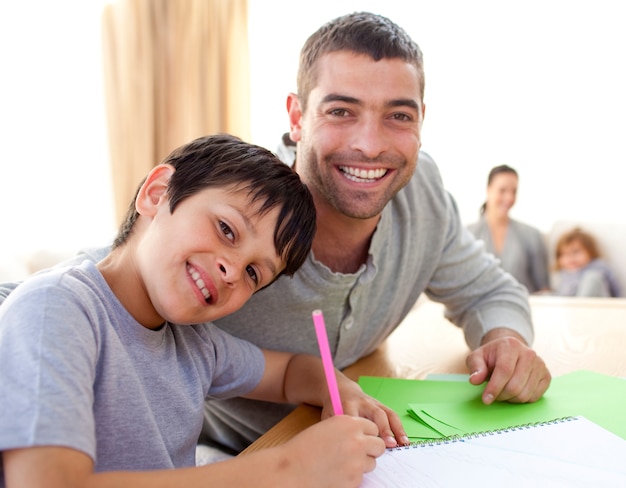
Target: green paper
{"type": "Point", "coordinates": [397, 393]}
{"type": "Point", "coordinates": [441, 428]}
{"type": "Point", "coordinates": [474, 416]}
{"type": "Point", "coordinates": [444, 405]}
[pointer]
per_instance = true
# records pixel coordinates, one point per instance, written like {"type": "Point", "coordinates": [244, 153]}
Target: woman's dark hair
{"type": "Point", "coordinates": [225, 160]}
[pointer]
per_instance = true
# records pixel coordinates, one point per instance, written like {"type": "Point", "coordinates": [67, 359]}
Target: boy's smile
{"type": "Point", "coordinates": [203, 285]}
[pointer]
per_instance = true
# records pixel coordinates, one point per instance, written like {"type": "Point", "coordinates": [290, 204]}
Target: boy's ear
{"type": "Point", "coordinates": [153, 190]}
{"type": "Point", "coordinates": [295, 116]}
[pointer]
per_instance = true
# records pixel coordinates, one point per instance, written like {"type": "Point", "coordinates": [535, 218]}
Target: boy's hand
{"type": "Point", "coordinates": [356, 403]}
{"type": "Point", "coordinates": [300, 378]}
{"type": "Point", "coordinates": [334, 452]}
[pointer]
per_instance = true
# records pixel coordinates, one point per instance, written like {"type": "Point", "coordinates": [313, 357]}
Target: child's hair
{"type": "Point", "coordinates": [577, 235]}
{"type": "Point", "coordinates": [362, 33]}
{"type": "Point", "coordinates": [495, 171]}
{"type": "Point", "coordinates": [224, 160]}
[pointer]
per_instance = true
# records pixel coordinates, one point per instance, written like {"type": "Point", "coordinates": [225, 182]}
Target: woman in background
{"type": "Point", "coordinates": [580, 271]}
{"type": "Point", "coordinates": [519, 247]}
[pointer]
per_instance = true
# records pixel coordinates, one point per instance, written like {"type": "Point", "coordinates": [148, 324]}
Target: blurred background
{"type": "Point", "coordinates": [538, 85]}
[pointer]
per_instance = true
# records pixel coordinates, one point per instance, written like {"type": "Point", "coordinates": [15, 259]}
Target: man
{"type": "Point", "coordinates": [387, 231]}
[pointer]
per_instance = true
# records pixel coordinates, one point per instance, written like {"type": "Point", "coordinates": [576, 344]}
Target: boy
{"type": "Point", "coordinates": [103, 375]}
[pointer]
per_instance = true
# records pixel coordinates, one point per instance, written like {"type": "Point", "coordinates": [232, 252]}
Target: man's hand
{"type": "Point", "coordinates": [514, 371]}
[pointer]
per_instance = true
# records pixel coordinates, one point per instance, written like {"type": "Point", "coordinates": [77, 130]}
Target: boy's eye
{"type": "Point", "coordinates": [252, 273]}
{"type": "Point", "coordinates": [227, 231]}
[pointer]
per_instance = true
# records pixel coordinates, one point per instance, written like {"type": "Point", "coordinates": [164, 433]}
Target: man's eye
{"type": "Point", "coordinates": [227, 231]}
{"type": "Point", "coordinates": [338, 112]}
{"type": "Point", "coordinates": [402, 117]}
{"type": "Point", "coordinates": [252, 274]}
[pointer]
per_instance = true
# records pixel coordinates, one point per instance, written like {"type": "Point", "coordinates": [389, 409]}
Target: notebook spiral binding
{"type": "Point", "coordinates": [476, 435]}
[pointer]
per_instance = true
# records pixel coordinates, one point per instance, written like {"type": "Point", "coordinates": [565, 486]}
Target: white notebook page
{"type": "Point", "coordinates": [568, 453]}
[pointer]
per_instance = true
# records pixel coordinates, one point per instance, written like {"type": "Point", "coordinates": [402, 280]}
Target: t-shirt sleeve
{"type": "Point", "coordinates": [239, 365]}
{"type": "Point", "coordinates": [46, 369]}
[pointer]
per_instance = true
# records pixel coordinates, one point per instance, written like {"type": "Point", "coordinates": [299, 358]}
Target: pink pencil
{"type": "Point", "coordinates": [327, 360]}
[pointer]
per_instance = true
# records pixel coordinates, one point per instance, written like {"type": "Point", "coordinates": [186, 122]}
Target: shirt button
{"type": "Point", "coordinates": [348, 323]}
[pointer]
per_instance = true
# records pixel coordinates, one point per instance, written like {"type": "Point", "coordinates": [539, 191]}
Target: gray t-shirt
{"type": "Point", "coordinates": [77, 370]}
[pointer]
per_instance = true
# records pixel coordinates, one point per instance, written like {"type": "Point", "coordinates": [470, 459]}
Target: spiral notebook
{"type": "Point", "coordinates": [570, 452]}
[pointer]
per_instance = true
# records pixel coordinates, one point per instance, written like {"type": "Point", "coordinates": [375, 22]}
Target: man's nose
{"type": "Point", "coordinates": [369, 137]}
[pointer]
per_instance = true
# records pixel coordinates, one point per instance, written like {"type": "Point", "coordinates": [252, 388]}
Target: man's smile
{"type": "Point", "coordinates": [363, 175]}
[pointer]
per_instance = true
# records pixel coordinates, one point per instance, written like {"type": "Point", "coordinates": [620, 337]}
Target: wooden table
{"type": "Point", "coordinates": [570, 334]}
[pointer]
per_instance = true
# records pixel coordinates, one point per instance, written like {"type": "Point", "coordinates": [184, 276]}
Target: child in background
{"type": "Point", "coordinates": [580, 271]}
{"type": "Point", "coordinates": [103, 374]}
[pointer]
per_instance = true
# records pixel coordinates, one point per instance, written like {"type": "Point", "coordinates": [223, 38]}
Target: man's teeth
{"type": "Point", "coordinates": [362, 175]}
{"type": "Point", "coordinates": [199, 282]}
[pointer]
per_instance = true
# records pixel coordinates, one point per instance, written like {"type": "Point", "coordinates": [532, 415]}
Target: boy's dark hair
{"type": "Point", "coordinates": [361, 33]}
{"type": "Point", "coordinates": [222, 160]}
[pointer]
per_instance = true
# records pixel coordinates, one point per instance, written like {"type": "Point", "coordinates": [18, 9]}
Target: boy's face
{"type": "Point", "coordinates": [208, 257]}
{"type": "Point", "coordinates": [573, 256]}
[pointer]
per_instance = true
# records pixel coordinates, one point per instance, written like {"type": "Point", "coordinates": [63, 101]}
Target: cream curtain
{"type": "Point", "coordinates": [174, 70]}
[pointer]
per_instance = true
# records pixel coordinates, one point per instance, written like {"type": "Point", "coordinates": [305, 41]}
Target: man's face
{"type": "Point", "coordinates": [359, 138]}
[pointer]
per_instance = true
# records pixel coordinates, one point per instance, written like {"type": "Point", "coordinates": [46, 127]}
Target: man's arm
{"type": "Point", "coordinates": [478, 294]}
{"type": "Point", "coordinates": [492, 309]}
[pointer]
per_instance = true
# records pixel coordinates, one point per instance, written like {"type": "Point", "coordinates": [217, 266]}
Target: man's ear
{"type": "Point", "coordinates": [295, 116]}
{"type": "Point", "coordinates": [153, 190]}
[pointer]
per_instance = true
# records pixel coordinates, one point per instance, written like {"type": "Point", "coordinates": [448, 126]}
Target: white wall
{"type": "Point", "coordinates": [537, 84]}
{"type": "Point", "coordinates": [55, 189]}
